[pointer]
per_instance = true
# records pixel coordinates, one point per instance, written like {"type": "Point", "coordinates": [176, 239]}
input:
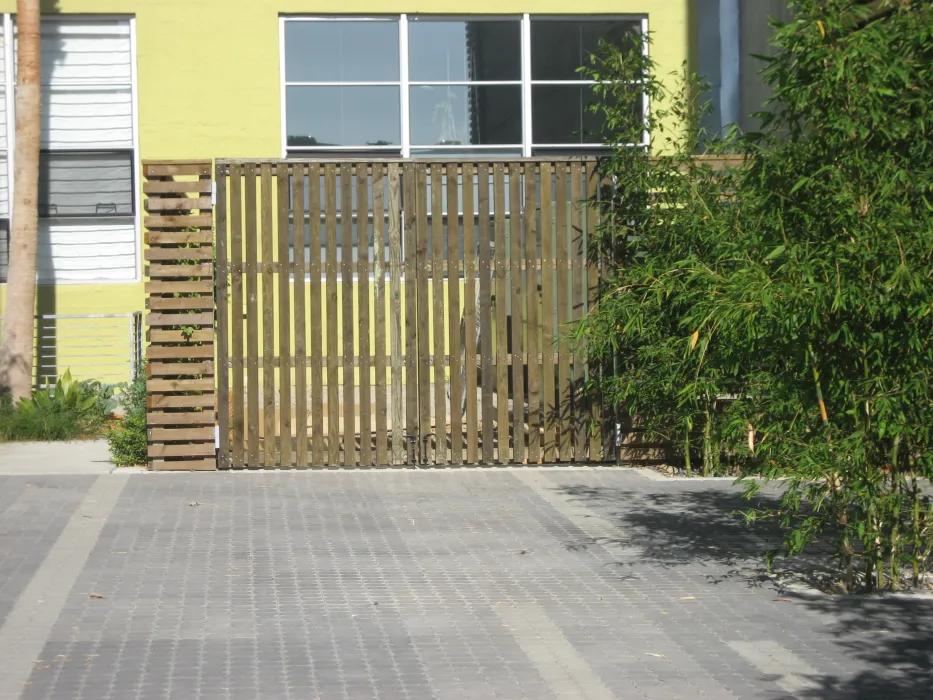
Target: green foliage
{"type": "Point", "coordinates": [68, 410]}
{"type": "Point", "coordinates": [798, 285]}
{"type": "Point", "coordinates": [128, 440]}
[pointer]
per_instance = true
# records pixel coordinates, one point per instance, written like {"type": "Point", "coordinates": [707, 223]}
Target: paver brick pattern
{"type": "Point", "coordinates": [442, 584]}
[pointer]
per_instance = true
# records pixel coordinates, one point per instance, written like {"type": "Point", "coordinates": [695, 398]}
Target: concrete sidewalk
{"type": "Point", "coordinates": [53, 458]}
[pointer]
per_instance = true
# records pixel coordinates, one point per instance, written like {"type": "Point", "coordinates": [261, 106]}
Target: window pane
{"type": "Point", "coordinates": [558, 48]}
{"type": "Point", "coordinates": [560, 112]}
{"type": "Point", "coordinates": [464, 51]}
{"type": "Point", "coordinates": [86, 184]}
{"type": "Point", "coordinates": [343, 116]}
{"type": "Point", "coordinates": [341, 51]}
{"type": "Point", "coordinates": [461, 114]}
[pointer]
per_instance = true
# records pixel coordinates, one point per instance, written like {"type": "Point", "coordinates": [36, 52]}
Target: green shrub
{"type": "Point", "coordinates": [128, 440]}
{"type": "Point", "coordinates": [68, 410]}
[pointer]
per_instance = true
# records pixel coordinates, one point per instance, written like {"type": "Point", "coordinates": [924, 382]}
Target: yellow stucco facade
{"type": "Point", "coordinates": [208, 82]}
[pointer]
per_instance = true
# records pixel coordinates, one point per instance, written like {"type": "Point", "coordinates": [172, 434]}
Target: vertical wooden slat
{"type": "Point", "coordinates": [577, 253]}
{"type": "Point", "coordinates": [531, 337]}
{"type": "Point", "coordinates": [362, 267]}
{"type": "Point", "coordinates": [223, 323]}
{"type": "Point", "coordinates": [236, 313]}
{"type": "Point", "coordinates": [411, 316]}
{"type": "Point", "coordinates": [549, 400]}
{"type": "Point", "coordinates": [563, 313]}
{"type": "Point", "coordinates": [301, 368]}
{"type": "Point", "coordinates": [395, 313]}
{"type": "Point", "coordinates": [453, 315]}
{"type": "Point", "coordinates": [592, 275]}
{"type": "Point", "coordinates": [485, 313]}
{"type": "Point", "coordinates": [269, 446]}
{"type": "Point", "coordinates": [333, 357]}
{"type": "Point", "coordinates": [423, 309]}
{"type": "Point", "coordinates": [284, 322]}
{"type": "Point", "coordinates": [518, 301]}
{"type": "Point", "coordinates": [379, 252]}
{"type": "Point", "coordinates": [347, 321]}
{"type": "Point", "coordinates": [469, 317]}
{"type": "Point", "coordinates": [436, 253]}
{"type": "Point", "coordinates": [502, 368]}
{"type": "Point", "coordinates": [252, 320]}
{"type": "Point", "coordinates": [317, 311]}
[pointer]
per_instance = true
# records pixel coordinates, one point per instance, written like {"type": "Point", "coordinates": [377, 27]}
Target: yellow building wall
{"type": "Point", "coordinates": [209, 83]}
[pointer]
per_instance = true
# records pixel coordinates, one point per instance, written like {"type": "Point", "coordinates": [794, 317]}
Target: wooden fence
{"type": "Point", "coordinates": [401, 312]}
{"type": "Point", "coordinates": [180, 319]}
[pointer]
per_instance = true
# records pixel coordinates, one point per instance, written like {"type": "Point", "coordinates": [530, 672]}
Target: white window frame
{"type": "Point", "coordinates": [406, 149]}
{"type": "Point", "coordinates": [9, 29]}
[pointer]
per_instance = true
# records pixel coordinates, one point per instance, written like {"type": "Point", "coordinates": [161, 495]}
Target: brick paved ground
{"type": "Point", "coordinates": [461, 584]}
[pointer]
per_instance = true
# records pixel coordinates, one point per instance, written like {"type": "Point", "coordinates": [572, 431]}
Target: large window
{"type": "Point", "coordinates": [87, 180]}
{"type": "Point", "coordinates": [434, 86]}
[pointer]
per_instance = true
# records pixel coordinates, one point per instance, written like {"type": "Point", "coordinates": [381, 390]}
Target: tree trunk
{"type": "Point", "coordinates": [16, 355]}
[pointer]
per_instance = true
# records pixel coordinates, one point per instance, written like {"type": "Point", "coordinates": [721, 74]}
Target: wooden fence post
{"type": "Point", "coordinates": [180, 329]}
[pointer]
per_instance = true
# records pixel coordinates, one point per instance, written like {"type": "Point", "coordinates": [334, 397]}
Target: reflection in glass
{"type": "Point", "coordinates": [461, 114]}
{"type": "Point", "coordinates": [331, 52]}
{"type": "Point", "coordinates": [85, 184]}
{"type": "Point", "coordinates": [342, 116]}
{"type": "Point", "coordinates": [560, 47]}
{"type": "Point", "coordinates": [559, 114]}
{"type": "Point", "coordinates": [443, 51]}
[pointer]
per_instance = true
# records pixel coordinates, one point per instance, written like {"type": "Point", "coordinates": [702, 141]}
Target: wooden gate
{"type": "Point", "coordinates": [396, 312]}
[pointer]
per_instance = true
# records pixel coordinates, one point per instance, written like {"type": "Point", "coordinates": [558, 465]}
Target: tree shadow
{"type": "Point", "coordinates": [699, 524]}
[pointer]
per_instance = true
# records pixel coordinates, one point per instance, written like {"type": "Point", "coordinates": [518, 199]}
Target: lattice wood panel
{"type": "Point", "coordinates": [180, 369]}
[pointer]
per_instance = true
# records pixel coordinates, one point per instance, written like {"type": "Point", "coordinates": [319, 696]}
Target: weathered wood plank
{"type": "Point", "coordinates": [174, 369]}
{"type": "Point", "coordinates": [179, 221]}
{"type": "Point", "coordinates": [347, 322]}
{"type": "Point", "coordinates": [201, 335]}
{"type": "Point", "coordinates": [453, 316]}
{"type": "Point", "coordinates": [168, 169]}
{"type": "Point", "coordinates": [518, 301]}
{"type": "Point", "coordinates": [180, 287]}
{"type": "Point", "coordinates": [563, 315]}
{"type": "Point", "coordinates": [395, 314]}
{"type": "Point", "coordinates": [317, 310]}
{"type": "Point", "coordinates": [178, 237]}
{"type": "Point", "coordinates": [252, 320]}
{"type": "Point", "coordinates": [577, 252]}
{"type": "Point", "coordinates": [436, 255]}
{"type": "Point", "coordinates": [285, 317]}
{"type": "Point", "coordinates": [362, 271]}
{"type": "Point", "coordinates": [501, 298]}
{"type": "Point", "coordinates": [379, 270]}
{"type": "Point", "coordinates": [548, 401]}
{"type": "Point", "coordinates": [485, 314]}
{"type": "Point", "coordinates": [411, 316]}
{"type": "Point", "coordinates": [333, 312]}
{"type": "Point", "coordinates": [160, 401]}
{"type": "Point", "coordinates": [179, 186]}
{"type": "Point", "coordinates": [422, 272]}
{"type": "Point", "coordinates": [238, 396]}
{"type": "Point", "coordinates": [177, 203]}
{"type": "Point", "coordinates": [299, 216]}
{"type": "Point", "coordinates": [180, 319]}
{"type": "Point", "coordinates": [181, 434]}
{"type": "Point", "coordinates": [179, 418]}
{"type": "Point", "coordinates": [532, 303]}
{"type": "Point", "coordinates": [590, 261]}
{"type": "Point", "coordinates": [158, 303]}
{"type": "Point", "coordinates": [267, 239]}
{"type": "Point", "coordinates": [469, 322]}
{"type": "Point", "coordinates": [181, 270]}
{"type": "Point", "coordinates": [192, 449]}
{"type": "Point", "coordinates": [183, 465]}
{"type": "Point", "coordinates": [159, 254]}
{"type": "Point", "coordinates": [169, 352]}
{"type": "Point", "coordinates": [167, 385]}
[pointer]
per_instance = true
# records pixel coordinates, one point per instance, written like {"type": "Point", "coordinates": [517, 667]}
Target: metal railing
{"type": "Point", "coordinates": [106, 347]}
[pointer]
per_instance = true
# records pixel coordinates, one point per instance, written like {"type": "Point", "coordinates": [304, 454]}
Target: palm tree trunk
{"type": "Point", "coordinates": [16, 354]}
